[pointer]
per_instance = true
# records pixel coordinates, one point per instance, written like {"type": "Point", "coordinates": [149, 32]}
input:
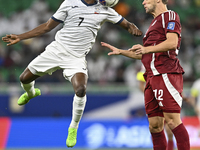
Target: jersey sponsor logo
{"type": "Point", "coordinates": [171, 25]}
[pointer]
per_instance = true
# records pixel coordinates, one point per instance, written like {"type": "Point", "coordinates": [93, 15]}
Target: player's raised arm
{"type": "Point", "coordinates": [41, 29]}
{"type": "Point", "coordinates": [131, 27]}
{"type": "Point", "coordinates": [116, 51]}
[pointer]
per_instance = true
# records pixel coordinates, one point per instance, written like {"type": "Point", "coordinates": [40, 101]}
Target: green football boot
{"type": "Point", "coordinates": [25, 99]}
{"type": "Point", "coordinates": [71, 139]}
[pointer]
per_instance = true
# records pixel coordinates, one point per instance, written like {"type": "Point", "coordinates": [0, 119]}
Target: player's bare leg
{"type": "Point", "coordinates": [170, 142]}
{"type": "Point", "coordinates": [174, 122]}
{"type": "Point", "coordinates": [27, 82]}
{"type": "Point", "coordinates": [79, 82]}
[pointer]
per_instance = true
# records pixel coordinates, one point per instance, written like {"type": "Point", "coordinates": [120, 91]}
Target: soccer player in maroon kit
{"type": "Point", "coordinates": [164, 81]}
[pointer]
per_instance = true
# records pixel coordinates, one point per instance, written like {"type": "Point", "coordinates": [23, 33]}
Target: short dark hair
{"type": "Point", "coordinates": [165, 2]}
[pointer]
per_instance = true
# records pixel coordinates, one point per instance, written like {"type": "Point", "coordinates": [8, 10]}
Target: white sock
{"type": "Point", "coordinates": [77, 111]}
{"type": "Point", "coordinates": [29, 88]}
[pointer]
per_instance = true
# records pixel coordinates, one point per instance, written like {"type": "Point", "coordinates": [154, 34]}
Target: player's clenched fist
{"type": "Point", "coordinates": [11, 39]}
{"type": "Point", "coordinates": [137, 32]}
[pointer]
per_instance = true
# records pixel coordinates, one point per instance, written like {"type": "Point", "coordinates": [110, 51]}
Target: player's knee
{"type": "Point", "coordinates": [22, 79]}
{"type": "Point", "coordinates": [171, 124]}
{"type": "Point", "coordinates": [156, 127]}
{"type": "Point", "coordinates": [169, 132]}
{"type": "Point", "coordinates": [80, 91]}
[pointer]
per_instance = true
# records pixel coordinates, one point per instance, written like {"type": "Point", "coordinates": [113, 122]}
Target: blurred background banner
{"type": "Point", "coordinates": [114, 116]}
{"type": "Point", "coordinates": [51, 132]}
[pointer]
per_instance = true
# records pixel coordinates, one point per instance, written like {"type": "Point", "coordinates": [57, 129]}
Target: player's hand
{"type": "Point", "coordinates": [138, 49]}
{"type": "Point", "coordinates": [115, 51]}
{"type": "Point", "coordinates": [11, 39]}
{"type": "Point", "coordinates": [137, 32]}
{"type": "Point", "coordinates": [134, 30]}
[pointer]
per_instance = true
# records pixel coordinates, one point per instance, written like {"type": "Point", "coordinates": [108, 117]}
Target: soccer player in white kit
{"type": "Point", "coordinates": [195, 97]}
{"type": "Point", "coordinates": [82, 19]}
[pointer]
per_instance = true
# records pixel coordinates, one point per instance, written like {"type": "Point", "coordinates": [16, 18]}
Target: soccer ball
{"type": "Point", "coordinates": [109, 3]}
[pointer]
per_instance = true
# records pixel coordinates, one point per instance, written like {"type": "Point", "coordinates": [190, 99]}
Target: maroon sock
{"type": "Point", "coordinates": [170, 145]}
{"type": "Point", "coordinates": [182, 137]}
{"type": "Point", "coordinates": [159, 141]}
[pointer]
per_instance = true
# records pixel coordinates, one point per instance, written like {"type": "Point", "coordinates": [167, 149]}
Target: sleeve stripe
{"type": "Point", "coordinates": [163, 20]}
{"type": "Point", "coordinates": [120, 20]}
{"type": "Point", "coordinates": [172, 15]}
{"type": "Point", "coordinates": [56, 19]}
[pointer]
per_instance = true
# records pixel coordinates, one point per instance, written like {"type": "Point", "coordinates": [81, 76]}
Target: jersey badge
{"type": "Point", "coordinates": [97, 10]}
{"type": "Point", "coordinates": [171, 25]}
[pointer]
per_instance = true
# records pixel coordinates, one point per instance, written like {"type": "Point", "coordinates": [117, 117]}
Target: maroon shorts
{"type": "Point", "coordinates": [163, 94]}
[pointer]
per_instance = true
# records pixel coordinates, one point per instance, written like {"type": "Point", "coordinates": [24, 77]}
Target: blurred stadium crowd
{"type": "Point", "coordinates": [22, 15]}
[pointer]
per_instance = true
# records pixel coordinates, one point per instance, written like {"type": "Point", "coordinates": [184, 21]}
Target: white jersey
{"type": "Point", "coordinates": [81, 24]}
{"type": "Point", "coordinates": [195, 90]}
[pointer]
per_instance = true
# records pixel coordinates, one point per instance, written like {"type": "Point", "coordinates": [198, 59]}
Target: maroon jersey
{"type": "Point", "coordinates": [164, 62]}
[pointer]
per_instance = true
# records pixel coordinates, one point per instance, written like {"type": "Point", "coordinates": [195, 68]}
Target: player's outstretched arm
{"type": "Point", "coordinates": [132, 28]}
{"type": "Point", "coordinates": [116, 51]}
{"type": "Point", "coordinates": [169, 44]}
{"type": "Point", "coordinates": [41, 29]}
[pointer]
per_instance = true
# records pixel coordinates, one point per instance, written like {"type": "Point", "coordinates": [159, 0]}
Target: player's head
{"type": "Point", "coordinates": [151, 5]}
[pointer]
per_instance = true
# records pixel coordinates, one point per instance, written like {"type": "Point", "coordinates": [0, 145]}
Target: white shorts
{"type": "Point", "coordinates": [54, 58]}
